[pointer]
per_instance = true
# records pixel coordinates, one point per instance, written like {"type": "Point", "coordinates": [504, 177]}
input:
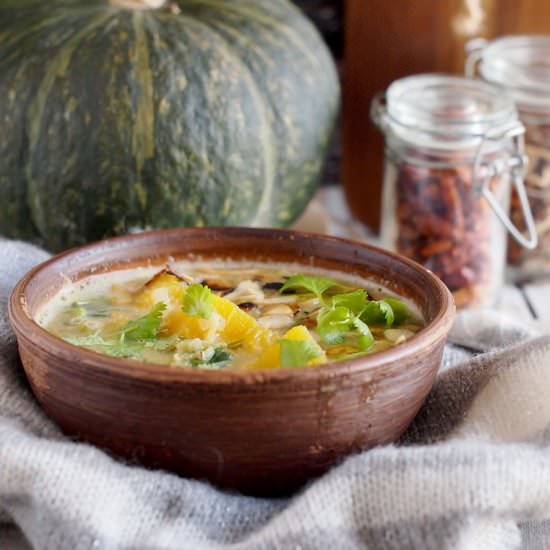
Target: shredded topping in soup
{"type": "Point", "coordinates": [238, 318]}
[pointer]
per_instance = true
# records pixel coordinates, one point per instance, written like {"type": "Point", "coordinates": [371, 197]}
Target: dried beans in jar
{"type": "Point", "coordinates": [453, 147]}
{"type": "Point", "coordinates": [444, 225]}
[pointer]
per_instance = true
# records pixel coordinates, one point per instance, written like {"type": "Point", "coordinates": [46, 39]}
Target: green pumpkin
{"type": "Point", "coordinates": [125, 115]}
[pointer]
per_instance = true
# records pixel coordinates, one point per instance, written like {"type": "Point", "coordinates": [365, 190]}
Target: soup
{"type": "Point", "coordinates": [223, 315]}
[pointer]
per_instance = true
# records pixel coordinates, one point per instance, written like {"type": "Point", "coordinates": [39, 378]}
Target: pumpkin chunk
{"type": "Point", "coordinates": [271, 357]}
{"type": "Point", "coordinates": [240, 326]}
{"type": "Point", "coordinates": [165, 287]}
{"type": "Point", "coordinates": [178, 323]}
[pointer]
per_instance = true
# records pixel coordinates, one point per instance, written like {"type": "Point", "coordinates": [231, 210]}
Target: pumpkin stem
{"type": "Point", "coordinates": [138, 4]}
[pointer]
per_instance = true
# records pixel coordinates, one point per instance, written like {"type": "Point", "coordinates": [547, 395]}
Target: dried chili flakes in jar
{"type": "Point", "coordinates": [453, 148]}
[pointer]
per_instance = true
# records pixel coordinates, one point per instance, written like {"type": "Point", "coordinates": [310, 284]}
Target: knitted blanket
{"type": "Point", "coordinates": [472, 471]}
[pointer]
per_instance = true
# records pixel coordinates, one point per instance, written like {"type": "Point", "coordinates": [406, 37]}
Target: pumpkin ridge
{"type": "Point", "coordinates": [266, 206]}
{"type": "Point", "coordinates": [26, 34]}
{"type": "Point", "coordinates": [268, 141]}
{"type": "Point", "coordinates": [58, 65]}
{"type": "Point", "coordinates": [143, 144]}
{"type": "Point", "coordinates": [265, 20]}
{"type": "Point", "coordinates": [13, 181]}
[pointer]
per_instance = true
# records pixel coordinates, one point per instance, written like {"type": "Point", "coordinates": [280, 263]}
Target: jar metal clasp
{"type": "Point", "coordinates": [378, 112]}
{"type": "Point", "coordinates": [474, 51]}
{"type": "Point", "coordinates": [515, 164]}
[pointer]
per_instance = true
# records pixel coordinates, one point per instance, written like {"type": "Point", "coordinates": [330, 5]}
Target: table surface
{"type": "Point", "coordinates": [328, 213]}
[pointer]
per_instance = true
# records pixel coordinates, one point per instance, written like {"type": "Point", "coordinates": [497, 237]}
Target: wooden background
{"type": "Point", "coordinates": [388, 39]}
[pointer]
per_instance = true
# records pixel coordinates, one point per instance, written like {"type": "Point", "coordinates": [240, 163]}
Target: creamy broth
{"type": "Point", "coordinates": [220, 315]}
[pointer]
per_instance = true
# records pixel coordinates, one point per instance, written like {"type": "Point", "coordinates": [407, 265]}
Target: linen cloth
{"type": "Point", "coordinates": [472, 471]}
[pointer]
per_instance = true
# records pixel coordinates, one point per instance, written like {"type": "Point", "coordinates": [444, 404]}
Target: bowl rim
{"type": "Point", "coordinates": [24, 325]}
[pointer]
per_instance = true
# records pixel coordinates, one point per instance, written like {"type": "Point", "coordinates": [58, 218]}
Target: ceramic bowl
{"type": "Point", "coordinates": [262, 432]}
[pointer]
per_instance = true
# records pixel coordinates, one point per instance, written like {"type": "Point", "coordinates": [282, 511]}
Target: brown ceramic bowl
{"type": "Point", "coordinates": [264, 432]}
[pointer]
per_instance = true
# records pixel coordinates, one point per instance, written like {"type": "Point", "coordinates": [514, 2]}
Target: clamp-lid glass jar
{"type": "Point", "coordinates": [520, 65]}
{"type": "Point", "coordinates": [453, 147]}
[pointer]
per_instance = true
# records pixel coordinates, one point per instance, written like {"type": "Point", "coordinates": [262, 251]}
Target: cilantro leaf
{"type": "Point", "coordinates": [378, 313]}
{"type": "Point", "coordinates": [198, 301]}
{"type": "Point", "coordinates": [333, 324]}
{"type": "Point", "coordinates": [115, 348]}
{"type": "Point", "coordinates": [309, 283]}
{"type": "Point", "coordinates": [400, 311]}
{"type": "Point", "coordinates": [355, 301]}
{"type": "Point", "coordinates": [97, 307]}
{"type": "Point", "coordinates": [336, 323]}
{"type": "Point", "coordinates": [365, 339]}
{"type": "Point", "coordinates": [126, 349]}
{"type": "Point", "coordinates": [122, 350]}
{"type": "Point", "coordinates": [387, 312]}
{"type": "Point", "coordinates": [86, 341]}
{"type": "Point", "coordinates": [146, 327]}
{"type": "Point", "coordinates": [219, 356]}
{"type": "Point", "coordinates": [296, 353]}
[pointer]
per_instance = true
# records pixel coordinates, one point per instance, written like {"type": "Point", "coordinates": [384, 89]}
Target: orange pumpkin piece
{"type": "Point", "coordinates": [165, 287]}
{"type": "Point", "coordinates": [271, 357]}
{"type": "Point", "coordinates": [240, 326]}
{"type": "Point", "coordinates": [176, 322]}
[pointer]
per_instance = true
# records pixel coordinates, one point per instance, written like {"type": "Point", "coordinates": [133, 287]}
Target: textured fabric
{"type": "Point", "coordinates": [472, 472]}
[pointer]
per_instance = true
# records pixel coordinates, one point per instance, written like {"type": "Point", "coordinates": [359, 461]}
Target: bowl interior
{"type": "Point", "coordinates": [393, 272]}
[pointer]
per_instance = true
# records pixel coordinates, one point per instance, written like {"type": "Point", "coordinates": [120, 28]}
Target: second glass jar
{"type": "Point", "coordinates": [519, 65]}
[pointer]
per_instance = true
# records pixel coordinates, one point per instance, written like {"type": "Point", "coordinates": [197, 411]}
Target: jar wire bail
{"type": "Point", "coordinates": [378, 112]}
{"type": "Point", "coordinates": [516, 165]}
{"type": "Point", "coordinates": [474, 52]}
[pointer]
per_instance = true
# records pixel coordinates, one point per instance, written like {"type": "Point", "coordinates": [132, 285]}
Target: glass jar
{"type": "Point", "coordinates": [454, 146]}
{"type": "Point", "coordinates": [520, 65]}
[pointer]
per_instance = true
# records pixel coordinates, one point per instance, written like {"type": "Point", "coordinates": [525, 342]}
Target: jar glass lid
{"type": "Point", "coordinates": [521, 65]}
{"type": "Point", "coordinates": [446, 111]}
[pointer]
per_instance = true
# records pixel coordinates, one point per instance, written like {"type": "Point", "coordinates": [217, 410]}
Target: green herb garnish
{"type": "Point", "coordinates": [309, 283]}
{"type": "Point", "coordinates": [355, 301]}
{"type": "Point", "coordinates": [146, 327]}
{"type": "Point", "coordinates": [333, 324]}
{"type": "Point", "coordinates": [219, 356]}
{"type": "Point", "coordinates": [100, 307]}
{"type": "Point", "coordinates": [88, 340]}
{"type": "Point", "coordinates": [198, 301]}
{"type": "Point", "coordinates": [400, 311]}
{"type": "Point", "coordinates": [117, 348]}
{"type": "Point", "coordinates": [336, 323]}
{"type": "Point", "coordinates": [126, 349]}
{"type": "Point", "coordinates": [365, 339]}
{"type": "Point", "coordinates": [296, 353]}
{"type": "Point", "coordinates": [378, 313]}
